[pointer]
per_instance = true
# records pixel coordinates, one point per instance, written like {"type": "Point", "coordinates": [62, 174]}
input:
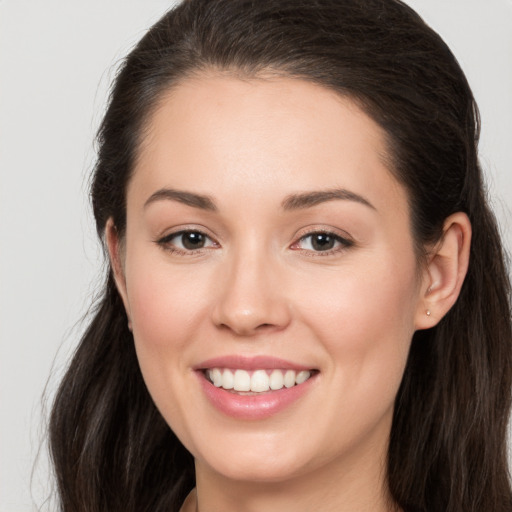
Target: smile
{"type": "Point", "coordinates": [256, 381]}
{"type": "Point", "coordinates": [255, 387]}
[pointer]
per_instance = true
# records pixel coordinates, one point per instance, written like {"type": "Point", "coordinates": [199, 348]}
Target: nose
{"type": "Point", "coordinates": [251, 298]}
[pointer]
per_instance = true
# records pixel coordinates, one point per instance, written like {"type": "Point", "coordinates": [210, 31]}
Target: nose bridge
{"type": "Point", "coordinates": [251, 295]}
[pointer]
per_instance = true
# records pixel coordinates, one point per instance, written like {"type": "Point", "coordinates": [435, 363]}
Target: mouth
{"type": "Point", "coordinates": [254, 382]}
{"type": "Point", "coordinates": [255, 387]}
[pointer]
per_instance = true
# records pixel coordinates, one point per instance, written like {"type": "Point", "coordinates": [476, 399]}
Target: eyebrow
{"type": "Point", "coordinates": [190, 199]}
{"type": "Point", "coordinates": [309, 199]}
{"type": "Point", "coordinates": [291, 202]}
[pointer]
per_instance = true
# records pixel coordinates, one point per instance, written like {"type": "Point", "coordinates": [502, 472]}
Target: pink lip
{"type": "Point", "coordinates": [252, 407]}
{"type": "Point", "coordinates": [250, 363]}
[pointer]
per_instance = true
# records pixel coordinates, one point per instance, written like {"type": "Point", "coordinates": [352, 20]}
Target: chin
{"type": "Point", "coordinates": [260, 458]}
{"type": "Point", "coordinates": [259, 471]}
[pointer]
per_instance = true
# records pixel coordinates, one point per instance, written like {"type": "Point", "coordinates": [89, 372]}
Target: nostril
{"type": "Point", "coordinates": [246, 329]}
{"type": "Point", "coordinates": [251, 313]}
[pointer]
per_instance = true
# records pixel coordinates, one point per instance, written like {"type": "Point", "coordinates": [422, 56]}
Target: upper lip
{"type": "Point", "coordinates": [250, 363]}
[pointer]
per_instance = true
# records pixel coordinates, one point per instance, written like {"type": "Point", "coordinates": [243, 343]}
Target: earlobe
{"type": "Point", "coordinates": [446, 270]}
{"type": "Point", "coordinates": [115, 255]}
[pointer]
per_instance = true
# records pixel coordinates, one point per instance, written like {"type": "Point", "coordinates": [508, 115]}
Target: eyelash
{"type": "Point", "coordinates": [343, 243]}
{"type": "Point", "coordinates": [166, 243]}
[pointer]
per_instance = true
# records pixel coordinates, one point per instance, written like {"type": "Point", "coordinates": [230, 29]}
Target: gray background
{"type": "Point", "coordinates": [56, 61]}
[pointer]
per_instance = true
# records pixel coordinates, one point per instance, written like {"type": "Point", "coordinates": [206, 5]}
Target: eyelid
{"type": "Point", "coordinates": [344, 240]}
{"type": "Point", "coordinates": [322, 228]}
{"type": "Point", "coordinates": [180, 228]}
{"type": "Point", "coordinates": [342, 237]}
{"type": "Point", "coordinates": [164, 241]}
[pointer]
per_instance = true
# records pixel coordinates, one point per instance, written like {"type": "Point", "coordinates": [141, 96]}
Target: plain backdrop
{"type": "Point", "coordinates": [57, 59]}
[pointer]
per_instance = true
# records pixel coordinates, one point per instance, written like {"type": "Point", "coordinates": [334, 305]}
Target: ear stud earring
{"type": "Point", "coordinates": [428, 312]}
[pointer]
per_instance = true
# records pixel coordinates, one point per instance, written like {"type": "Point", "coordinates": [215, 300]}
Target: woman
{"type": "Point", "coordinates": [307, 306]}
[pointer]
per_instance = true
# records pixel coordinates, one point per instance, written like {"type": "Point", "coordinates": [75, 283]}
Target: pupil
{"type": "Point", "coordinates": [192, 240]}
{"type": "Point", "coordinates": [322, 242]}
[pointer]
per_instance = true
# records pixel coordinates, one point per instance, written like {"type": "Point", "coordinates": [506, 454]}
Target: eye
{"type": "Point", "coordinates": [322, 241]}
{"type": "Point", "coordinates": [186, 241]}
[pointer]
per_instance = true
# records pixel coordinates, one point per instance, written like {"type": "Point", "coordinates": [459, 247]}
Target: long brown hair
{"type": "Point", "coordinates": [111, 449]}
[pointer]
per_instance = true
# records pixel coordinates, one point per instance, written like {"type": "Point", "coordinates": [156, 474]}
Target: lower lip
{"type": "Point", "coordinates": [253, 407]}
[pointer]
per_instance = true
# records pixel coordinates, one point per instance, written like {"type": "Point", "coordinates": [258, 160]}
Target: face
{"type": "Point", "coordinates": [270, 277]}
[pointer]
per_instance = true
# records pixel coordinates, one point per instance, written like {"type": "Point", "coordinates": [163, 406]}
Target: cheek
{"type": "Point", "coordinates": [165, 303]}
{"type": "Point", "coordinates": [365, 323]}
{"type": "Point", "coordinates": [365, 320]}
{"type": "Point", "coordinates": [166, 308]}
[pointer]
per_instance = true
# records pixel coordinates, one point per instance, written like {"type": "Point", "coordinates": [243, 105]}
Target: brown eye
{"type": "Point", "coordinates": [322, 241]}
{"type": "Point", "coordinates": [186, 241]}
{"type": "Point", "coordinates": [193, 240]}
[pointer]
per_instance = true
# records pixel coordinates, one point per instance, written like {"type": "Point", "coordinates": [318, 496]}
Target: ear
{"type": "Point", "coordinates": [115, 249]}
{"type": "Point", "coordinates": [447, 267]}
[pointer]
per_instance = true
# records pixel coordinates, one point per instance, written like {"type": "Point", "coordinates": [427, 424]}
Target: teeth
{"type": "Point", "coordinates": [276, 380]}
{"type": "Point", "coordinates": [289, 378]}
{"type": "Point", "coordinates": [228, 379]}
{"type": "Point", "coordinates": [242, 381]}
{"type": "Point", "coordinates": [216, 377]}
{"type": "Point", "coordinates": [302, 377]}
{"type": "Point", "coordinates": [259, 381]}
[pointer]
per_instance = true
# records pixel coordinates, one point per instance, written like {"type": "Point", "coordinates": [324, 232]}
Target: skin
{"type": "Point", "coordinates": [259, 287]}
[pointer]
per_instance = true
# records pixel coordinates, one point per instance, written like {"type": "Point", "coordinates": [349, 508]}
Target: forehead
{"type": "Point", "coordinates": [274, 136]}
